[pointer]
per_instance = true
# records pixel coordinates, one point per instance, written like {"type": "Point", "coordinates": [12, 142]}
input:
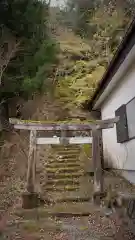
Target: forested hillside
{"type": "Point", "coordinates": [64, 50]}
{"type": "Point", "coordinates": [89, 32]}
{"type": "Point", "coordinates": [26, 50]}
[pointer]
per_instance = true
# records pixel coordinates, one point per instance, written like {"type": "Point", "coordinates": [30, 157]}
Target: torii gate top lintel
{"type": "Point", "coordinates": [38, 126]}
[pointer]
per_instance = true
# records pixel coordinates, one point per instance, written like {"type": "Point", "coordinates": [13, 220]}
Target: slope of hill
{"type": "Point", "coordinates": [83, 61]}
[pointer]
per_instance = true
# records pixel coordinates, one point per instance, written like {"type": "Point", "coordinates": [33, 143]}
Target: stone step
{"type": "Point", "coordinates": [65, 160]}
{"type": "Point", "coordinates": [74, 146]}
{"type": "Point", "coordinates": [64, 169]}
{"type": "Point", "coordinates": [62, 165]}
{"type": "Point", "coordinates": [72, 150]}
{"type": "Point", "coordinates": [64, 210]}
{"type": "Point", "coordinates": [61, 188]}
{"type": "Point", "coordinates": [68, 156]}
{"type": "Point", "coordinates": [61, 152]}
{"type": "Point", "coordinates": [63, 181]}
{"type": "Point", "coordinates": [65, 175]}
{"type": "Point", "coordinates": [60, 158]}
{"type": "Point", "coordinates": [68, 150]}
{"type": "Point", "coordinates": [66, 147]}
{"type": "Point", "coordinates": [73, 195]}
{"type": "Point", "coordinates": [34, 226]}
{"type": "Point", "coordinates": [74, 199]}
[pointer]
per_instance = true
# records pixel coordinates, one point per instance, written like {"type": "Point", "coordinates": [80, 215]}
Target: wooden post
{"type": "Point", "coordinates": [31, 163]}
{"type": "Point", "coordinates": [63, 138]}
{"type": "Point", "coordinates": [30, 198]}
{"type": "Point", "coordinates": [96, 158]}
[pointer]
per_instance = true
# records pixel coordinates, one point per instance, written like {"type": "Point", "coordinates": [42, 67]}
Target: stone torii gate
{"type": "Point", "coordinates": [95, 138]}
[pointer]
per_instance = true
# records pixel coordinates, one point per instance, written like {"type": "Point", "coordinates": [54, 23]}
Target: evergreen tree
{"type": "Point", "coordinates": [23, 29]}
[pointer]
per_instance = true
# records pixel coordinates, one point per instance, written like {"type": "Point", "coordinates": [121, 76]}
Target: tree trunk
{"type": "Point", "coordinates": [4, 116]}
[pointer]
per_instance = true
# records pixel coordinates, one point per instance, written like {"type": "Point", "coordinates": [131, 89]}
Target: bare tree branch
{"type": "Point", "coordinates": [8, 48]}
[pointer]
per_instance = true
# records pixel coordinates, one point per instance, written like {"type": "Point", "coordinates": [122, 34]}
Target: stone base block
{"type": "Point", "coordinates": [30, 200]}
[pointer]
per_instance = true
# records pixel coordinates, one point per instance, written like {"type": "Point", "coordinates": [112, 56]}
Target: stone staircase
{"type": "Point", "coordinates": [70, 191]}
{"type": "Point", "coordinates": [66, 175]}
{"type": "Point", "coordinates": [72, 215]}
{"type": "Point", "coordinates": [66, 161]}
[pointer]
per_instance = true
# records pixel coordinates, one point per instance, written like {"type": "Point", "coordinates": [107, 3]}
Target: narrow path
{"type": "Point", "coordinates": [73, 215]}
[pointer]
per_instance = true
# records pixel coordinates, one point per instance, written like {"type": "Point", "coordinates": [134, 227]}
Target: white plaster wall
{"type": "Point", "coordinates": [121, 154]}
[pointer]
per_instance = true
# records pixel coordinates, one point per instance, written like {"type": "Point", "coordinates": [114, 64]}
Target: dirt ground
{"type": "Point", "coordinates": [96, 226]}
